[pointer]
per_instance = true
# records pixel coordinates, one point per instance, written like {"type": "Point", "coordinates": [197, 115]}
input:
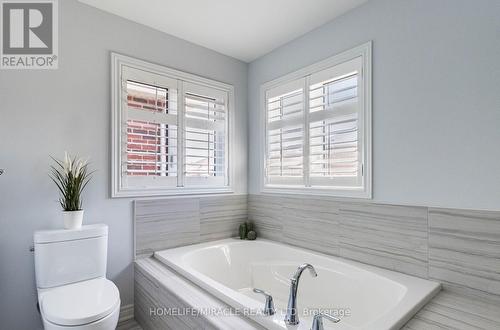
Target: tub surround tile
{"type": "Point", "coordinates": [311, 224]}
{"type": "Point", "coordinates": [266, 213]}
{"type": "Point", "coordinates": [166, 289]}
{"type": "Point", "coordinates": [308, 223]}
{"type": "Point", "coordinates": [388, 236]}
{"type": "Point", "coordinates": [220, 217]}
{"type": "Point", "coordinates": [458, 248]}
{"type": "Point", "coordinates": [129, 325]}
{"type": "Point", "coordinates": [165, 223]}
{"type": "Point", "coordinates": [464, 249]}
{"type": "Point", "coordinates": [145, 296]}
{"type": "Point", "coordinates": [126, 313]}
{"type": "Point", "coordinates": [152, 296]}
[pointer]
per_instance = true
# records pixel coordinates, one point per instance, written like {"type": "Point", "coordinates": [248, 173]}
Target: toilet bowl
{"type": "Point", "coordinates": [73, 292]}
{"type": "Point", "coordinates": [92, 304]}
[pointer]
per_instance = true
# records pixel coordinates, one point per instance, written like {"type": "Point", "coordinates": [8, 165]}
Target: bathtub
{"type": "Point", "coordinates": [362, 296]}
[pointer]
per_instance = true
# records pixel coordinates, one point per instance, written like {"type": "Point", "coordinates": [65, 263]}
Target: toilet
{"type": "Point", "coordinates": [73, 292]}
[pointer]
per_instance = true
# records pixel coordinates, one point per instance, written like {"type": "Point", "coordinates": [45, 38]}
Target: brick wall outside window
{"type": "Point", "coordinates": [144, 139]}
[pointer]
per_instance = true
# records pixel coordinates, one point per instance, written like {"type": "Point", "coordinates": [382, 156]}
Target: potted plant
{"type": "Point", "coordinates": [71, 176]}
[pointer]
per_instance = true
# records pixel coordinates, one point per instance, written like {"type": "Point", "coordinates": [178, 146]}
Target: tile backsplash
{"type": "Point", "coordinates": [459, 248]}
{"type": "Point", "coordinates": [393, 237]}
{"type": "Point", "coordinates": [389, 236]}
{"type": "Point", "coordinates": [464, 248]}
{"type": "Point", "coordinates": [165, 223]}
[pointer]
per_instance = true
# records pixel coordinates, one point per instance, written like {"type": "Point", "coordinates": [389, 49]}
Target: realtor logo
{"type": "Point", "coordinates": [29, 34]}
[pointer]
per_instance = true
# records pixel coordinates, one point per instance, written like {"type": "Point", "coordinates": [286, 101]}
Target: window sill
{"type": "Point", "coordinates": [357, 193]}
{"type": "Point", "coordinates": [185, 192]}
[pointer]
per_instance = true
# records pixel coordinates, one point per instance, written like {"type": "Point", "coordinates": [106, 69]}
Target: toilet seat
{"type": "Point", "coordinates": [80, 303]}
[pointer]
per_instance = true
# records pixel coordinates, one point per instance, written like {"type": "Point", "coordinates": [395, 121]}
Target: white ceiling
{"type": "Point", "coordinates": [244, 29]}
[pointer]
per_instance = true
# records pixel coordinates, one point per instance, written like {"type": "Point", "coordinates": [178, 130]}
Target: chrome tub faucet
{"type": "Point", "coordinates": [292, 317]}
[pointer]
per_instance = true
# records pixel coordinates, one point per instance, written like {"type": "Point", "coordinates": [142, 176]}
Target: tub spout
{"type": "Point", "coordinates": [292, 317]}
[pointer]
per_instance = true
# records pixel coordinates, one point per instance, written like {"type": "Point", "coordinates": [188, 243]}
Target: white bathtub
{"type": "Point", "coordinates": [364, 297]}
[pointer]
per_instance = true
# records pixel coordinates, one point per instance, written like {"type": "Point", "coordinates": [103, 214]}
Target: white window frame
{"type": "Point", "coordinates": [118, 188]}
{"type": "Point", "coordinates": [365, 191]}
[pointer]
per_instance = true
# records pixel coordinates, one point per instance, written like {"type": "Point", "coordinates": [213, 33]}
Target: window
{"type": "Point", "coordinates": [317, 128]}
{"type": "Point", "coordinates": [170, 131]}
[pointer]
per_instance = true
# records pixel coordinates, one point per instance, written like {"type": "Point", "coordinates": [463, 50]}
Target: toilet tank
{"type": "Point", "coordinates": [70, 255]}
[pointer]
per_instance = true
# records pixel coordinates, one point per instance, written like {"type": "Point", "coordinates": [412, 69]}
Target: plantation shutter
{"type": "Point", "coordinates": [149, 132]}
{"type": "Point", "coordinates": [205, 135]}
{"type": "Point", "coordinates": [171, 131]}
{"type": "Point", "coordinates": [334, 125]}
{"type": "Point", "coordinates": [285, 133]}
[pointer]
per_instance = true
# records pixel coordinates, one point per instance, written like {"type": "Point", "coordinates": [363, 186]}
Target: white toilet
{"type": "Point", "coordinates": [73, 292]}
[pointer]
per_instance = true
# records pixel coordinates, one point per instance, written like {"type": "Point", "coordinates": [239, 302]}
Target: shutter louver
{"type": "Point", "coordinates": [334, 148]}
{"type": "Point", "coordinates": [334, 136]}
{"type": "Point", "coordinates": [285, 134]}
{"type": "Point", "coordinates": [205, 135]}
{"type": "Point", "coordinates": [285, 154]}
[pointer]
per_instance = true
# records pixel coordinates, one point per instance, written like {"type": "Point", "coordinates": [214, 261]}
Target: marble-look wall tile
{"type": "Point", "coordinates": [459, 248]}
{"type": "Point", "coordinates": [145, 298]}
{"type": "Point", "coordinates": [266, 212]}
{"type": "Point", "coordinates": [311, 223]}
{"type": "Point", "coordinates": [164, 223]}
{"type": "Point", "coordinates": [393, 237]}
{"type": "Point", "coordinates": [150, 295]}
{"type": "Point", "coordinates": [129, 325]}
{"type": "Point", "coordinates": [220, 216]}
{"type": "Point", "coordinates": [126, 313]}
{"type": "Point", "coordinates": [464, 249]}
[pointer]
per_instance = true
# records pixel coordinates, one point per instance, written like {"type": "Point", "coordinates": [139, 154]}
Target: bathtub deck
{"type": "Point", "coordinates": [448, 310]}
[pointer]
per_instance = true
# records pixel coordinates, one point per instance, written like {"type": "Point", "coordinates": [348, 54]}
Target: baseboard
{"type": "Point", "coordinates": [126, 313]}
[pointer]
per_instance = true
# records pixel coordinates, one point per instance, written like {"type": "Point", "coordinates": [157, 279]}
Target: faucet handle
{"type": "Point", "coordinates": [318, 320]}
{"type": "Point", "coordinates": [269, 306]}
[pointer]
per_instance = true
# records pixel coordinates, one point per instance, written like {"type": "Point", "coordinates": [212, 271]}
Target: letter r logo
{"type": "Point", "coordinates": [27, 28]}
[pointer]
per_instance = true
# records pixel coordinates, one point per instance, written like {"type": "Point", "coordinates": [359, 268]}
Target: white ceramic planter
{"type": "Point", "coordinates": [73, 219]}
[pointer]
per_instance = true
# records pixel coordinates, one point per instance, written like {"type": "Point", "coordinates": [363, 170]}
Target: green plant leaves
{"type": "Point", "coordinates": [71, 176]}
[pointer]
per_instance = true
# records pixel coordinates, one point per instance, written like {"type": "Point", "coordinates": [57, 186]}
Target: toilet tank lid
{"type": "Point", "coordinates": [61, 235]}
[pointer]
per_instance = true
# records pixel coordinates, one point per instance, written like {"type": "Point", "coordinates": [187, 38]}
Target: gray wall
{"type": "Point", "coordinates": [44, 113]}
{"type": "Point", "coordinates": [436, 99]}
